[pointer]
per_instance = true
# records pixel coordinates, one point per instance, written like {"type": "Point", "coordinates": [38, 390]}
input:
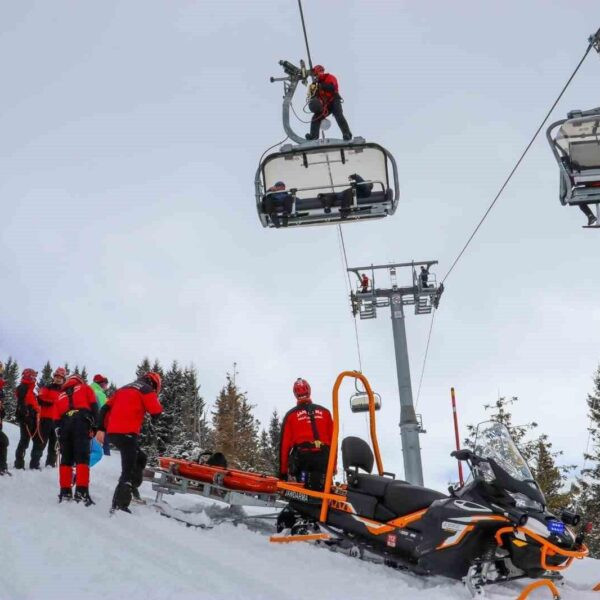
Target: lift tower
{"type": "Point", "coordinates": [424, 294]}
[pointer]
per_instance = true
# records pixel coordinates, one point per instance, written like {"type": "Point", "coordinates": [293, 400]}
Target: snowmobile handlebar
{"type": "Point", "coordinates": [467, 455]}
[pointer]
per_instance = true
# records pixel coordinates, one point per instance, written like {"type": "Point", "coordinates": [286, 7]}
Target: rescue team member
{"type": "Point", "coordinates": [3, 436]}
{"type": "Point", "coordinates": [46, 432]}
{"type": "Point", "coordinates": [325, 100]}
{"type": "Point", "coordinates": [100, 385]}
{"type": "Point", "coordinates": [306, 433]}
{"type": "Point", "coordinates": [27, 415]}
{"type": "Point", "coordinates": [77, 413]}
{"type": "Point", "coordinates": [122, 417]}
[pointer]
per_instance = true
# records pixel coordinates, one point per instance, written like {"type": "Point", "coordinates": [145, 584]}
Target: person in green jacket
{"type": "Point", "coordinates": [100, 385]}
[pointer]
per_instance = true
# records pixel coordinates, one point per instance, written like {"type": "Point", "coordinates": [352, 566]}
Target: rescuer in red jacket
{"type": "Point", "coordinates": [27, 414]}
{"type": "Point", "coordinates": [325, 100]}
{"type": "Point", "coordinates": [46, 431]}
{"type": "Point", "coordinates": [122, 417]}
{"type": "Point", "coordinates": [305, 440]}
{"type": "Point", "coordinates": [77, 414]}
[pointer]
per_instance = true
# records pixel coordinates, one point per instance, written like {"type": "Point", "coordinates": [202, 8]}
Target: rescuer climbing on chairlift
{"type": "Point", "coordinates": [325, 99]}
{"type": "Point", "coordinates": [316, 172]}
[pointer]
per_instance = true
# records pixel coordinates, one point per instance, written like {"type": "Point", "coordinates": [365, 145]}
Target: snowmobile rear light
{"type": "Point", "coordinates": [555, 526]}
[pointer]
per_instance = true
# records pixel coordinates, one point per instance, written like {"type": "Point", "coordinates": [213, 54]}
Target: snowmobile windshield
{"type": "Point", "coordinates": [494, 441]}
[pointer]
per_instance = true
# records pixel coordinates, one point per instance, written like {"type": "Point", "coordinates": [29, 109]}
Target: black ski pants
{"type": "Point", "coordinates": [74, 439]}
{"type": "Point", "coordinates": [3, 451]}
{"type": "Point", "coordinates": [309, 466]}
{"type": "Point", "coordinates": [335, 108]}
{"type": "Point", "coordinates": [133, 458]}
{"type": "Point", "coordinates": [45, 434]}
{"type": "Point", "coordinates": [27, 427]}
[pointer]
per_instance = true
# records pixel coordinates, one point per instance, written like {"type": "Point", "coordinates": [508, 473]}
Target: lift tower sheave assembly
{"type": "Point", "coordinates": [424, 294]}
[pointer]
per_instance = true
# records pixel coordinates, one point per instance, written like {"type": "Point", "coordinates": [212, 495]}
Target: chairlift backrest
{"type": "Point", "coordinates": [359, 402]}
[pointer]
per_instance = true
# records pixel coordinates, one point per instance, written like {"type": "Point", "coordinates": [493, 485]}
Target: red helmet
{"type": "Point", "coordinates": [73, 379]}
{"type": "Point", "coordinates": [100, 379]}
{"type": "Point", "coordinates": [318, 70]}
{"type": "Point", "coordinates": [301, 389]}
{"type": "Point", "coordinates": [154, 380]}
{"type": "Point", "coordinates": [29, 374]}
{"type": "Point", "coordinates": [60, 372]}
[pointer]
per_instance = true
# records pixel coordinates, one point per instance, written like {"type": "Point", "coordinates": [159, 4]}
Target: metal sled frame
{"type": "Point", "coordinates": [165, 482]}
{"type": "Point", "coordinates": [579, 175]}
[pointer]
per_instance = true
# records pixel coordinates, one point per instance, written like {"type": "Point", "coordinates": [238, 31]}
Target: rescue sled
{"type": "Point", "coordinates": [493, 529]}
{"type": "Point", "coordinates": [229, 478]}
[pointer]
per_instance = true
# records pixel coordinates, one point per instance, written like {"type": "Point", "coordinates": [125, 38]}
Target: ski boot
{"type": "Point", "coordinates": [66, 494]}
{"type": "Point", "coordinates": [122, 497]}
{"type": "Point", "coordinates": [5, 471]}
{"type": "Point", "coordinates": [135, 496]}
{"type": "Point", "coordinates": [286, 519]}
{"type": "Point", "coordinates": [592, 221]}
{"type": "Point", "coordinates": [82, 494]}
{"type": "Point", "coordinates": [20, 463]}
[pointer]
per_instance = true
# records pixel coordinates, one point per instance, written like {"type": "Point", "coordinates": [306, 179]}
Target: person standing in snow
{"type": "Point", "coordinates": [3, 436]}
{"type": "Point", "coordinates": [27, 414]}
{"type": "Point", "coordinates": [100, 385]}
{"type": "Point", "coordinates": [121, 418]}
{"type": "Point", "coordinates": [77, 413]}
{"type": "Point", "coordinates": [306, 432]}
{"type": "Point", "coordinates": [46, 432]}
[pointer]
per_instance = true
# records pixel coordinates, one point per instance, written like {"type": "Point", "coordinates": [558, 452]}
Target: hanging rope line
{"type": "Point", "coordinates": [518, 163]}
{"type": "Point", "coordinates": [305, 34]}
{"type": "Point", "coordinates": [425, 357]}
{"type": "Point", "coordinates": [271, 148]}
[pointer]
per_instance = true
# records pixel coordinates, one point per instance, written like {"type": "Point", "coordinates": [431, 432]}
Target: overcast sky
{"type": "Point", "coordinates": [129, 135]}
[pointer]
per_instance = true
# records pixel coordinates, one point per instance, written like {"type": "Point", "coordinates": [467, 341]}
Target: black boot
{"type": "Point", "coordinates": [135, 496]}
{"type": "Point", "coordinates": [82, 494]}
{"type": "Point", "coordinates": [122, 497]}
{"type": "Point", "coordinates": [19, 463]}
{"type": "Point", "coordinates": [65, 494]}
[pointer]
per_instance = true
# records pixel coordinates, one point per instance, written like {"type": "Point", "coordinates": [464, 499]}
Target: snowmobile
{"type": "Point", "coordinates": [495, 528]}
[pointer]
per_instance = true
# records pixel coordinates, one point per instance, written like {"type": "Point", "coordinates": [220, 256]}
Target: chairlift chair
{"type": "Point", "coordinates": [575, 143]}
{"type": "Point", "coordinates": [313, 170]}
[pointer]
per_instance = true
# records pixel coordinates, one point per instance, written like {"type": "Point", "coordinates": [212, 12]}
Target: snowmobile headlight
{"type": "Point", "coordinates": [523, 501]}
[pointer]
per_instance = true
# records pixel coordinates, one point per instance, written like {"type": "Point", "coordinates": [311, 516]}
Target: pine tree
{"type": "Point", "coordinates": [589, 501]}
{"type": "Point", "coordinates": [235, 429]}
{"type": "Point", "coordinates": [67, 369]}
{"type": "Point", "coordinates": [263, 464]}
{"type": "Point", "coordinates": [46, 375]}
{"type": "Point", "coordinates": [11, 377]}
{"type": "Point", "coordinates": [84, 374]}
{"type": "Point", "coordinates": [143, 368]}
{"type": "Point", "coordinates": [274, 437]}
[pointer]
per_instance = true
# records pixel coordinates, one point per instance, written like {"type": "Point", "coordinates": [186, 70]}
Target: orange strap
{"type": "Point", "coordinates": [538, 584]}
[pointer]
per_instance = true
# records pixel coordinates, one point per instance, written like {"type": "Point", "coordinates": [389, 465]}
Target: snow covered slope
{"type": "Point", "coordinates": [67, 551]}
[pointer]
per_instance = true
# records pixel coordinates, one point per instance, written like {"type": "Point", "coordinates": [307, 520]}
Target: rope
{"type": "Point", "coordinates": [305, 34]}
{"type": "Point", "coordinates": [518, 163]}
{"type": "Point", "coordinates": [425, 357]}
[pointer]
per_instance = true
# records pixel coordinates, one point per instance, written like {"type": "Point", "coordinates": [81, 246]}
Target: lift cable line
{"type": "Point", "coordinates": [425, 358]}
{"type": "Point", "coordinates": [592, 43]}
{"type": "Point", "coordinates": [310, 65]}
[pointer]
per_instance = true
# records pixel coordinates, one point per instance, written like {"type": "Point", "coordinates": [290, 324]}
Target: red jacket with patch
{"type": "Point", "coordinates": [47, 397]}
{"type": "Point", "coordinates": [297, 429]}
{"type": "Point", "coordinates": [76, 396]}
{"type": "Point", "coordinates": [124, 411]}
{"type": "Point", "coordinates": [328, 88]}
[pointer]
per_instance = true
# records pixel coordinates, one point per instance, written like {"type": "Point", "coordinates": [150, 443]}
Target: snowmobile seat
{"type": "Point", "coordinates": [356, 454]}
{"type": "Point", "coordinates": [402, 498]}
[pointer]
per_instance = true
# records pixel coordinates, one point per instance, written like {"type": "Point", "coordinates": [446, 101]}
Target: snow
{"type": "Point", "coordinates": [69, 551]}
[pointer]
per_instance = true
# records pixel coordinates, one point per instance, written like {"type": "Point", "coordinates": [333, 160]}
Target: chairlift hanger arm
{"type": "Point", "coordinates": [595, 41]}
{"type": "Point", "coordinates": [294, 75]}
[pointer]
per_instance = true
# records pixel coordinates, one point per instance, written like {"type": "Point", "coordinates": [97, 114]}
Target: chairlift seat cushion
{"type": "Point", "coordinates": [402, 498]}
{"type": "Point", "coordinates": [584, 155]}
